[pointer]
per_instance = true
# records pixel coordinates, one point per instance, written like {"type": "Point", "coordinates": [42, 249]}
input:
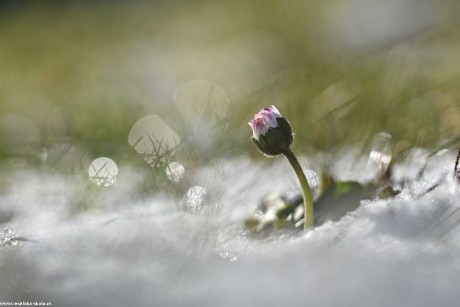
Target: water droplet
{"type": "Point", "coordinates": [154, 140]}
{"type": "Point", "coordinates": [103, 171]}
{"type": "Point", "coordinates": [194, 198]}
{"type": "Point", "coordinates": [202, 104]}
{"type": "Point", "coordinates": [380, 156]}
{"type": "Point", "coordinates": [231, 244]}
{"type": "Point", "coordinates": [175, 171]}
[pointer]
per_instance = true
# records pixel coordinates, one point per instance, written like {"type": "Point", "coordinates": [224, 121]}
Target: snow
{"type": "Point", "coordinates": [130, 250]}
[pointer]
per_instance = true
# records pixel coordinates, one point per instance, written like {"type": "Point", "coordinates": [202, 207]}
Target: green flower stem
{"type": "Point", "coordinates": [306, 191]}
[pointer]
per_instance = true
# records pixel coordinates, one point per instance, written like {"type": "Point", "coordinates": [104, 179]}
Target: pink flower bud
{"type": "Point", "coordinates": [265, 119]}
{"type": "Point", "coordinates": [272, 134]}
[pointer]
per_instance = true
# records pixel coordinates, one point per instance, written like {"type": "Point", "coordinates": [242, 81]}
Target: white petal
{"type": "Point", "coordinates": [275, 111]}
{"type": "Point", "coordinates": [256, 131]}
{"type": "Point", "coordinates": [271, 123]}
{"type": "Point", "coordinates": [264, 129]}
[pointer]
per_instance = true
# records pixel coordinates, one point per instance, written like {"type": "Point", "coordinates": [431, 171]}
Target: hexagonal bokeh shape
{"type": "Point", "coordinates": [154, 140]}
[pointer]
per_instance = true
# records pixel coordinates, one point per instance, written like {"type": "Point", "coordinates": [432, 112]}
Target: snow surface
{"type": "Point", "coordinates": [128, 250]}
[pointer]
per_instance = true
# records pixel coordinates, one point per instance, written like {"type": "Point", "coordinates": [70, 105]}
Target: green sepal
{"type": "Point", "coordinates": [285, 127]}
{"type": "Point", "coordinates": [277, 140]}
{"type": "Point", "coordinates": [259, 146]}
{"type": "Point", "coordinates": [262, 146]}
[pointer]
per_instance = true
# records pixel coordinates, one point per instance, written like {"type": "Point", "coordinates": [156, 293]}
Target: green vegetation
{"type": "Point", "coordinates": [101, 67]}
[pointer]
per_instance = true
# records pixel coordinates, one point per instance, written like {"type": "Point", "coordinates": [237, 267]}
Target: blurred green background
{"type": "Point", "coordinates": [339, 71]}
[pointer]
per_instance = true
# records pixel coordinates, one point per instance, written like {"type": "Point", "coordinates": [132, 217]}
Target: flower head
{"type": "Point", "coordinates": [272, 133]}
{"type": "Point", "coordinates": [265, 119]}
